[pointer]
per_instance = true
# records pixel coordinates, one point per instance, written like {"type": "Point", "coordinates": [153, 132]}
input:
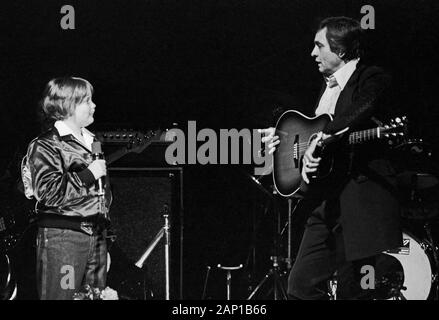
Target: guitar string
{"type": "Point", "coordinates": [354, 136]}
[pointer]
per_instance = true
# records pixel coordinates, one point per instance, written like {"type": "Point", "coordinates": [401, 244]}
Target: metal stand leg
{"type": "Point", "coordinates": [229, 284]}
{"type": "Point", "coordinates": [167, 247]}
{"type": "Point", "coordinates": [203, 296]}
{"type": "Point", "coordinates": [229, 278]}
{"type": "Point", "coordinates": [164, 231]}
{"type": "Point", "coordinates": [289, 259]}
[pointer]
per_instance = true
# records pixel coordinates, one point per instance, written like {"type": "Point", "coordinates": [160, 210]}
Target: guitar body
{"type": "Point", "coordinates": [295, 131]}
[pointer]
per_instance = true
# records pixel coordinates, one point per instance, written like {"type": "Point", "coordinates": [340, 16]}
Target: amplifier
{"type": "Point", "coordinates": [139, 196]}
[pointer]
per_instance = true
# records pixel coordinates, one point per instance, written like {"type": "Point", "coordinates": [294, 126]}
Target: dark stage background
{"type": "Point", "coordinates": [223, 63]}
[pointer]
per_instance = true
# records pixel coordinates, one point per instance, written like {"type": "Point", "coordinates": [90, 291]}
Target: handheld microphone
{"type": "Point", "coordinates": [97, 153]}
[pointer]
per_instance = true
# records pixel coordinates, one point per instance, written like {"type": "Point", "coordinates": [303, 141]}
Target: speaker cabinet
{"type": "Point", "coordinates": [139, 197]}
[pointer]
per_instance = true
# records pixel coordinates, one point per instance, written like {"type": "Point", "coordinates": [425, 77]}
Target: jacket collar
{"type": "Point", "coordinates": [343, 74]}
{"type": "Point", "coordinates": [66, 134]}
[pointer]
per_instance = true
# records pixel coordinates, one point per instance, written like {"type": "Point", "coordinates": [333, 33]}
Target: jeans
{"type": "Point", "coordinates": [67, 260]}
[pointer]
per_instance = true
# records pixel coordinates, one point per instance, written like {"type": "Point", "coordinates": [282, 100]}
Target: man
{"type": "Point", "coordinates": [357, 216]}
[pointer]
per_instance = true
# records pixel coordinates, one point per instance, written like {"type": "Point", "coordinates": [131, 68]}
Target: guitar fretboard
{"type": "Point", "coordinates": [364, 135]}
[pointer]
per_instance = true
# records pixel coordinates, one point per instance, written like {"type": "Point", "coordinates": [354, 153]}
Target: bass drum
{"type": "Point", "coordinates": [406, 273]}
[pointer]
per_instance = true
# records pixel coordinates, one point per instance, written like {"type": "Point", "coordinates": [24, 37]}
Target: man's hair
{"type": "Point", "coordinates": [62, 95]}
{"type": "Point", "coordinates": [344, 36]}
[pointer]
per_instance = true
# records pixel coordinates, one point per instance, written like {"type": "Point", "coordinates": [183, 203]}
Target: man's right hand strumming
{"type": "Point", "coordinates": [310, 163]}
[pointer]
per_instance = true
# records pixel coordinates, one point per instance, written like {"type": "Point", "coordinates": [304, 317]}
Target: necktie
{"type": "Point", "coordinates": [331, 81]}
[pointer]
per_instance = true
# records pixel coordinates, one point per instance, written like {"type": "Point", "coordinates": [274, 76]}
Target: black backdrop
{"type": "Point", "coordinates": [223, 63]}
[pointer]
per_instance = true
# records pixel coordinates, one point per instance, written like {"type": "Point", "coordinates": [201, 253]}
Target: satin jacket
{"type": "Point", "coordinates": [54, 172]}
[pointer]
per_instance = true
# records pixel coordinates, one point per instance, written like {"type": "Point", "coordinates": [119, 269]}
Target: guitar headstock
{"type": "Point", "coordinates": [395, 130]}
{"type": "Point", "coordinates": [141, 140]}
{"type": "Point", "coordinates": [396, 127]}
{"type": "Point", "coordinates": [134, 141]}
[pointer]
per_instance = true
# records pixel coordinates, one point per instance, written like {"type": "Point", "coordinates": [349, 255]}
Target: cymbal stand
{"type": "Point", "coordinates": [277, 285]}
{"type": "Point", "coordinates": [288, 225]}
{"type": "Point", "coordinates": [251, 256]}
{"type": "Point", "coordinates": [275, 273]}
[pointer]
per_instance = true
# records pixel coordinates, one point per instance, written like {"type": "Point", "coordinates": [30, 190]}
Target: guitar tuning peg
{"type": "Point", "coordinates": [398, 120]}
{"type": "Point", "coordinates": [401, 133]}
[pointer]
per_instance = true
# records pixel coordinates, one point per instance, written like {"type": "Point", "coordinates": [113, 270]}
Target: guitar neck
{"type": "Point", "coordinates": [116, 155]}
{"type": "Point", "coordinates": [365, 135]}
{"type": "Point", "coordinates": [137, 143]}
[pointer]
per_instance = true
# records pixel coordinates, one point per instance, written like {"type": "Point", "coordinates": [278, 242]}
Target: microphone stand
{"type": "Point", "coordinates": [288, 225]}
{"type": "Point", "coordinates": [164, 231]}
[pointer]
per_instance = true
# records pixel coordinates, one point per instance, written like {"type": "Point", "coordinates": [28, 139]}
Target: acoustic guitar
{"type": "Point", "coordinates": [296, 131]}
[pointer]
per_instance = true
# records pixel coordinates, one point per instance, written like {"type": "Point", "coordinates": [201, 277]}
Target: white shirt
{"type": "Point", "coordinates": [330, 96]}
{"type": "Point", "coordinates": [87, 137]}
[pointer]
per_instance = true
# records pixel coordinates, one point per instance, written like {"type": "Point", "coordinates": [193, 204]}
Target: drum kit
{"type": "Point", "coordinates": [411, 271]}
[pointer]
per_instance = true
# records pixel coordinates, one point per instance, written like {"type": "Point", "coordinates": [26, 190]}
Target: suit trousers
{"type": "Point", "coordinates": [320, 258]}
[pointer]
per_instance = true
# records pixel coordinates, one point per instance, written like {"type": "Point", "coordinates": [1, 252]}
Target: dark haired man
{"type": "Point", "coordinates": [357, 216]}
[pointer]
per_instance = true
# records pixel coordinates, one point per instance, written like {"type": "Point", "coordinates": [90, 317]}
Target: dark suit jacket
{"type": "Point", "coordinates": [363, 192]}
